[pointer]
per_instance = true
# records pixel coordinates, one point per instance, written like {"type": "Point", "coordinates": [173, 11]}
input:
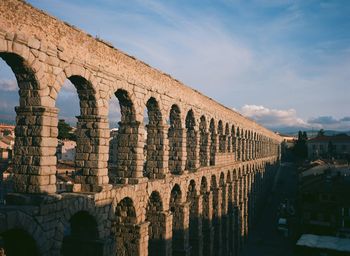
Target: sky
{"type": "Point", "coordinates": [283, 63]}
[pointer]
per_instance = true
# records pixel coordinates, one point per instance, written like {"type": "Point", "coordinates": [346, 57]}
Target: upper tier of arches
{"type": "Point", "coordinates": [186, 130]}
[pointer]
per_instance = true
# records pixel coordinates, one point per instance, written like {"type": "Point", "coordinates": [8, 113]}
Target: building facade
{"type": "Point", "coordinates": [337, 146]}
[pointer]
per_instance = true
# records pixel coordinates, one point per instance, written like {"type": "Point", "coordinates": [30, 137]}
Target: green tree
{"type": "Point", "coordinates": [65, 131]}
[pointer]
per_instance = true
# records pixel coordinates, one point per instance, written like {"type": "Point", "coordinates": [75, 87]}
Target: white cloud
{"type": "Point", "coordinates": [8, 85]}
{"type": "Point", "coordinates": [273, 118]}
{"type": "Point", "coordinates": [277, 118]}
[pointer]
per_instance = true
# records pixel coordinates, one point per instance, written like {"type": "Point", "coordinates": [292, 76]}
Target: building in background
{"type": "Point", "coordinates": [66, 150]}
{"type": "Point", "coordinates": [324, 206]}
{"type": "Point", "coordinates": [337, 146]}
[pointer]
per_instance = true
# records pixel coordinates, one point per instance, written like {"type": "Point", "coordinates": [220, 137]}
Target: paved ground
{"type": "Point", "coordinates": [265, 240]}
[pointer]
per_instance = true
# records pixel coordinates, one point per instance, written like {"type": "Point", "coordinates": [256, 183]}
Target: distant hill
{"type": "Point", "coordinates": [310, 133]}
{"type": "Point", "coordinates": [7, 121]}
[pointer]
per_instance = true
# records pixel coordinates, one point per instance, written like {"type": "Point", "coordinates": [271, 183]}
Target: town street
{"type": "Point", "coordinates": [265, 239]}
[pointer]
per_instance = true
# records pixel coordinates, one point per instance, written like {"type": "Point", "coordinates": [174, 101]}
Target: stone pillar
{"type": "Point", "coordinates": [35, 148]}
{"type": "Point", "coordinates": [243, 149]}
{"type": "Point", "coordinates": [162, 243]}
{"type": "Point", "coordinates": [217, 222]}
{"type": "Point", "coordinates": [248, 149]}
{"type": "Point", "coordinates": [234, 148]}
{"type": "Point", "coordinates": [213, 148]}
{"type": "Point", "coordinates": [130, 158]}
{"type": "Point", "coordinates": [224, 220]}
{"type": "Point", "coordinates": [177, 150]}
{"type": "Point", "coordinates": [92, 153]}
{"type": "Point", "coordinates": [132, 239]}
{"type": "Point", "coordinates": [195, 235]}
{"type": "Point", "coordinates": [157, 153]}
{"type": "Point", "coordinates": [239, 149]}
{"type": "Point", "coordinates": [193, 152]}
{"type": "Point", "coordinates": [207, 228]}
{"type": "Point", "coordinates": [180, 236]}
{"type": "Point", "coordinates": [229, 144]}
{"type": "Point", "coordinates": [245, 207]}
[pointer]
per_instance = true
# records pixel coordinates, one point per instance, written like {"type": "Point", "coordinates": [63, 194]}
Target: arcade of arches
{"type": "Point", "coordinates": [194, 186]}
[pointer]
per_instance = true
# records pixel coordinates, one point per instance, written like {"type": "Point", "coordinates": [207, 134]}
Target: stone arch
{"type": "Point", "coordinates": [91, 133]}
{"type": "Point", "coordinates": [203, 142]}
{"type": "Point", "coordinates": [27, 81]}
{"type": "Point", "coordinates": [227, 138]}
{"type": "Point", "coordinates": [127, 146]}
{"type": "Point", "coordinates": [179, 224]}
{"type": "Point", "coordinates": [175, 137]}
{"type": "Point", "coordinates": [157, 228]}
{"type": "Point", "coordinates": [32, 121]}
{"type": "Point", "coordinates": [191, 141]}
{"type": "Point", "coordinates": [221, 135]}
{"type": "Point", "coordinates": [213, 141]}
{"type": "Point", "coordinates": [195, 221]}
{"type": "Point", "coordinates": [10, 240]}
{"type": "Point", "coordinates": [82, 236]}
{"type": "Point", "coordinates": [154, 148]}
{"type": "Point", "coordinates": [127, 233]}
{"type": "Point", "coordinates": [26, 224]}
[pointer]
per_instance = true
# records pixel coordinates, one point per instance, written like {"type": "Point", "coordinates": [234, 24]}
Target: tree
{"type": "Point", "coordinates": [300, 147]}
{"type": "Point", "coordinates": [320, 133]}
{"type": "Point", "coordinates": [65, 131]}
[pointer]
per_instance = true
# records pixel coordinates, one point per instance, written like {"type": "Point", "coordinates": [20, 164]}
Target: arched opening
{"type": "Point", "coordinates": [191, 141]}
{"type": "Point", "coordinates": [127, 235]}
{"type": "Point", "coordinates": [81, 236]}
{"type": "Point", "coordinates": [154, 146]}
{"type": "Point", "coordinates": [213, 139]}
{"type": "Point", "coordinates": [175, 134]}
{"type": "Point", "coordinates": [156, 228]}
{"type": "Point", "coordinates": [227, 138]}
{"type": "Point", "coordinates": [17, 242]}
{"type": "Point", "coordinates": [29, 121]}
{"type": "Point", "coordinates": [77, 133]}
{"type": "Point", "coordinates": [178, 231]}
{"type": "Point", "coordinates": [203, 142]}
{"type": "Point", "coordinates": [195, 221]}
{"type": "Point", "coordinates": [9, 99]}
{"type": "Point", "coordinates": [222, 141]}
{"type": "Point", "coordinates": [123, 156]}
{"type": "Point", "coordinates": [206, 218]}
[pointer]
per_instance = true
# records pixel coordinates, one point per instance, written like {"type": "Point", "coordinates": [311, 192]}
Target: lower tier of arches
{"type": "Point", "coordinates": [204, 213]}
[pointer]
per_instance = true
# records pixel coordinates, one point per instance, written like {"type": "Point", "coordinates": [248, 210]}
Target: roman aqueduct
{"type": "Point", "coordinates": [196, 191]}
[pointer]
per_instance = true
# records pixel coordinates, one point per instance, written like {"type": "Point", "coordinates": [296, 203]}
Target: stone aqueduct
{"type": "Point", "coordinates": [197, 190]}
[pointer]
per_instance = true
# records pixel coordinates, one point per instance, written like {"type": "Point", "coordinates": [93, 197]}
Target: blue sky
{"type": "Point", "coordinates": [282, 63]}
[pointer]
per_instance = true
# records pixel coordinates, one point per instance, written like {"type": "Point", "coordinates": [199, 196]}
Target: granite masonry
{"type": "Point", "coordinates": [196, 191]}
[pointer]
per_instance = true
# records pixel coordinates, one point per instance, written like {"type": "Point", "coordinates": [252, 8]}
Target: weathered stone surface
{"type": "Point", "coordinates": [195, 181]}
